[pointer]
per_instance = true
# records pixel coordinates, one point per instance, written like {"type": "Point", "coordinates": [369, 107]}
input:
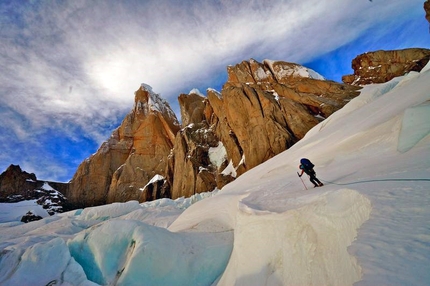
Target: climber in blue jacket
{"type": "Point", "coordinates": [307, 167]}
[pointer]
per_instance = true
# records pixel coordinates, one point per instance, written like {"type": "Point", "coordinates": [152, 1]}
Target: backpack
{"type": "Point", "coordinates": [307, 164]}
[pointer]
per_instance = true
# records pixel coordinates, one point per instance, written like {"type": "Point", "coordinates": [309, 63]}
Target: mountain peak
{"type": "Point", "coordinates": [135, 153]}
{"type": "Point", "coordinates": [283, 69]}
{"type": "Point", "coordinates": [252, 71]}
{"type": "Point", "coordinates": [146, 100]}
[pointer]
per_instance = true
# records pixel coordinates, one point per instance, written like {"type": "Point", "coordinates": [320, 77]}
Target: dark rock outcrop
{"type": "Point", "coordinates": [17, 185]}
{"type": "Point", "coordinates": [52, 201]}
{"type": "Point", "coordinates": [29, 217]}
{"type": "Point", "coordinates": [14, 182]}
{"type": "Point", "coordinates": [382, 66]}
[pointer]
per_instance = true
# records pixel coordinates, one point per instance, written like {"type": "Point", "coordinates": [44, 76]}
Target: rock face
{"type": "Point", "coordinates": [382, 66]}
{"type": "Point", "coordinates": [17, 185]}
{"type": "Point", "coordinates": [14, 181]}
{"type": "Point", "coordinates": [135, 153]}
{"type": "Point", "coordinates": [263, 109]}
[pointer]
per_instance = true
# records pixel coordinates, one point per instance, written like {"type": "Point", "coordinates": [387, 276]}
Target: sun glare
{"type": "Point", "coordinates": [110, 74]}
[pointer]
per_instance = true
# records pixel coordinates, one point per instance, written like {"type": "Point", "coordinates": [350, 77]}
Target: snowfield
{"type": "Point", "coordinates": [368, 225]}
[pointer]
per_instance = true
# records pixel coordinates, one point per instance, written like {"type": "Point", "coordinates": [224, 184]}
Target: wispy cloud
{"type": "Point", "coordinates": [74, 65]}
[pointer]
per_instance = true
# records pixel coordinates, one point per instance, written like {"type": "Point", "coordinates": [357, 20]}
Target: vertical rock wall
{"type": "Point", "coordinates": [262, 110]}
{"type": "Point", "coordinates": [135, 153]}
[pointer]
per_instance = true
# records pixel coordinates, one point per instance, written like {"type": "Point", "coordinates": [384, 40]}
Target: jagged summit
{"type": "Point", "coordinates": [262, 110]}
{"type": "Point", "coordinates": [136, 152]}
{"type": "Point", "coordinates": [147, 100]}
{"type": "Point", "coordinates": [284, 69]}
{"type": "Point", "coordinates": [269, 71]}
{"type": "Point", "coordinates": [264, 228]}
{"type": "Point", "coordinates": [15, 181]}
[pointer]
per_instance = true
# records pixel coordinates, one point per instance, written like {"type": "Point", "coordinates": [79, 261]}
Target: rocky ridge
{"type": "Point", "coordinates": [382, 66]}
{"type": "Point", "coordinates": [262, 110]}
{"type": "Point", "coordinates": [17, 185]}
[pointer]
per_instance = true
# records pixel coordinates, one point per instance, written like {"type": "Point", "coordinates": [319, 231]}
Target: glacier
{"type": "Point", "coordinates": [368, 225]}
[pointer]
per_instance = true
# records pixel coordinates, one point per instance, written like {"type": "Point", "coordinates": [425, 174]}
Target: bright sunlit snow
{"type": "Point", "coordinates": [291, 69]}
{"type": "Point", "coordinates": [14, 212]}
{"type": "Point", "coordinates": [368, 225]}
{"type": "Point", "coordinates": [217, 155]}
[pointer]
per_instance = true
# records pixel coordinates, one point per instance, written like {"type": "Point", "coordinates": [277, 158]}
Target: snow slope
{"type": "Point", "coordinates": [14, 212]}
{"type": "Point", "coordinates": [369, 224]}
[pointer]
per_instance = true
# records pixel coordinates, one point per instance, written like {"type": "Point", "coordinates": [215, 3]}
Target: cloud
{"type": "Point", "coordinates": [74, 65]}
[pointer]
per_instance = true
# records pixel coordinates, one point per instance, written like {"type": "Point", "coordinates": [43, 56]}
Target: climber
{"type": "Point", "coordinates": [307, 167]}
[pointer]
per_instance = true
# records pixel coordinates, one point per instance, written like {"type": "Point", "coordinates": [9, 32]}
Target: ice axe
{"type": "Point", "coordinates": [301, 180]}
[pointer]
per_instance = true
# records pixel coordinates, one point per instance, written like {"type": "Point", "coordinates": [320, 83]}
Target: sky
{"type": "Point", "coordinates": [368, 224]}
{"type": "Point", "coordinates": [70, 68]}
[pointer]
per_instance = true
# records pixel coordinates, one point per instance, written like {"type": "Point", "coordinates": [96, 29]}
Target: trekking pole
{"type": "Point", "coordinates": [302, 180]}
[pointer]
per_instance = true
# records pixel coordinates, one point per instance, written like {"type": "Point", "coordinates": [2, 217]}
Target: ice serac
{"type": "Point", "coordinates": [133, 256]}
{"type": "Point", "coordinates": [262, 110]}
{"type": "Point", "coordinates": [136, 152]}
{"type": "Point", "coordinates": [382, 66]}
{"type": "Point", "coordinates": [313, 232]}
